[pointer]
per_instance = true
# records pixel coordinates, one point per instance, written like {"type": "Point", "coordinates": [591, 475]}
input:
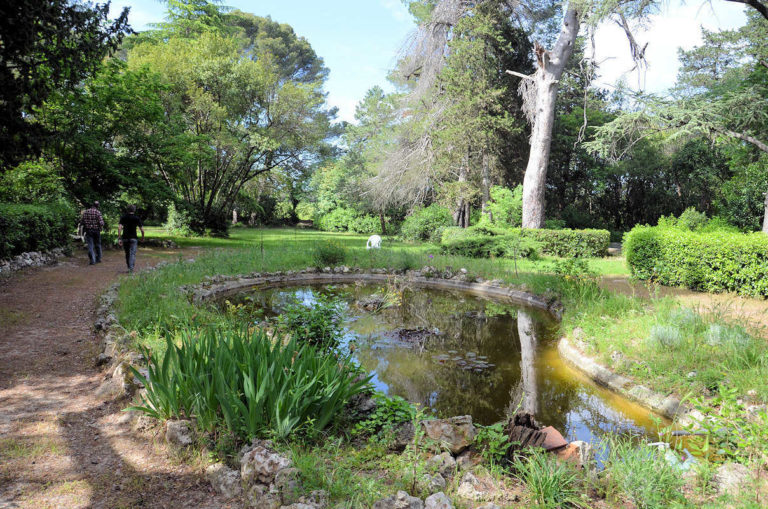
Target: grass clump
{"type": "Point", "coordinates": [328, 254]}
{"type": "Point", "coordinates": [665, 336]}
{"type": "Point", "coordinates": [247, 383]}
{"type": "Point", "coordinates": [551, 483]}
{"type": "Point", "coordinates": [642, 475]}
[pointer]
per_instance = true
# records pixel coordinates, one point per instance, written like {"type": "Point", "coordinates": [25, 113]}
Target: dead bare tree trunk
{"type": "Point", "coordinates": [540, 93]}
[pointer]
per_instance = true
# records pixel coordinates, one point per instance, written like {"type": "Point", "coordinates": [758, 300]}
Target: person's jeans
{"type": "Point", "coordinates": [93, 241]}
{"type": "Point", "coordinates": [129, 246]}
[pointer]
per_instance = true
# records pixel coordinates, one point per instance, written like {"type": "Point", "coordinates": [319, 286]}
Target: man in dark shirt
{"type": "Point", "coordinates": [126, 233]}
{"type": "Point", "coordinates": [92, 223]}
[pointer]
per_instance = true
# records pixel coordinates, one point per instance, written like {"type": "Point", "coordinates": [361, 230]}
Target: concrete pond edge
{"type": "Point", "coordinates": [668, 406]}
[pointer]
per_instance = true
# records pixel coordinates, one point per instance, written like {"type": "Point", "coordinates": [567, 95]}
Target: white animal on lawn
{"type": "Point", "coordinates": [374, 242]}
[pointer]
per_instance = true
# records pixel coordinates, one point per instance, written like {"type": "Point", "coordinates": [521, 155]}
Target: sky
{"type": "Point", "coordinates": [359, 39]}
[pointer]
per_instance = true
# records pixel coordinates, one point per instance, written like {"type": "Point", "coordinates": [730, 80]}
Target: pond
{"type": "Point", "coordinates": [456, 354]}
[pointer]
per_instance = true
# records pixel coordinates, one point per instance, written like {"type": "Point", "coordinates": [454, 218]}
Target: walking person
{"type": "Point", "coordinates": [126, 233]}
{"type": "Point", "coordinates": [92, 223]}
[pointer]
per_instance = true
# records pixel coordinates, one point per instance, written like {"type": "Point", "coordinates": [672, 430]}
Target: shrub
{"type": "Point", "coordinates": [178, 221]}
{"type": "Point", "coordinates": [506, 206]}
{"type": "Point", "coordinates": [389, 413]}
{"type": "Point", "coordinates": [718, 334]}
{"type": "Point", "coordinates": [426, 223]}
{"type": "Point", "coordinates": [713, 262]}
{"type": "Point", "coordinates": [483, 241]}
{"type": "Point", "coordinates": [248, 383]}
{"type": "Point", "coordinates": [365, 224]}
{"type": "Point", "coordinates": [554, 224]}
{"type": "Point", "coordinates": [26, 228]}
{"type": "Point", "coordinates": [666, 337]}
{"type": "Point", "coordinates": [692, 219]}
{"type": "Point", "coordinates": [337, 220]}
{"type": "Point", "coordinates": [571, 243]}
{"type": "Point", "coordinates": [319, 324]}
{"type": "Point", "coordinates": [328, 254]}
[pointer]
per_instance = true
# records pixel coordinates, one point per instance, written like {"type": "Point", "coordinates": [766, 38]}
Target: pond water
{"type": "Point", "coordinates": [455, 354]}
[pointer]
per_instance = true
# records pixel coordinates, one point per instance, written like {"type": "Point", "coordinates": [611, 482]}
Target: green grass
{"type": "Point", "coordinates": [610, 322]}
{"type": "Point", "coordinates": [668, 347]}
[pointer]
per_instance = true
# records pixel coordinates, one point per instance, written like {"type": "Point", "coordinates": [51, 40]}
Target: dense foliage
{"type": "Point", "coordinates": [34, 227]}
{"type": "Point", "coordinates": [426, 223]}
{"type": "Point", "coordinates": [248, 383]}
{"type": "Point", "coordinates": [46, 45]}
{"type": "Point", "coordinates": [484, 241]}
{"type": "Point", "coordinates": [715, 261]}
{"type": "Point", "coordinates": [571, 243]}
{"type": "Point", "coordinates": [320, 323]}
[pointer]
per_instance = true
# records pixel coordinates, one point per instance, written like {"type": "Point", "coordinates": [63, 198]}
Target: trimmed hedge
{"type": "Point", "coordinates": [484, 241]}
{"type": "Point", "coordinates": [26, 228]}
{"type": "Point", "coordinates": [712, 262]}
{"type": "Point", "coordinates": [572, 243]}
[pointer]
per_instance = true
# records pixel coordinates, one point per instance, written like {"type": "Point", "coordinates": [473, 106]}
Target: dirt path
{"type": "Point", "coordinates": [742, 309]}
{"type": "Point", "coordinates": [60, 446]}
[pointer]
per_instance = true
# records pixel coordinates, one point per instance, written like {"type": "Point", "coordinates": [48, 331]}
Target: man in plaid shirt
{"type": "Point", "coordinates": [92, 223]}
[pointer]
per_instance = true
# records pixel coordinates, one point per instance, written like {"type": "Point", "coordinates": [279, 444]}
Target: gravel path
{"type": "Point", "coordinates": [60, 446]}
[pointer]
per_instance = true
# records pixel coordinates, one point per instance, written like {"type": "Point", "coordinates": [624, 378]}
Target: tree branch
{"type": "Point", "coordinates": [744, 137]}
{"type": "Point", "coordinates": [755, 4]}
{"type": "Point", "coordinates": [520, 75]}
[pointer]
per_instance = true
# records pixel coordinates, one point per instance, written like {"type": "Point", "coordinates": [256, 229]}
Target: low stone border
{"type": "Point", "coordinates": [31, 259]}
{"type": "Point", "coordinates": [427, 277]}
{"type": "Point", "coordinates": [667, 406]}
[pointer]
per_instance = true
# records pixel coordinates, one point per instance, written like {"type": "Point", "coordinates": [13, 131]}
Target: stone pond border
{"type": "Point", "coordinates": [668, 406]}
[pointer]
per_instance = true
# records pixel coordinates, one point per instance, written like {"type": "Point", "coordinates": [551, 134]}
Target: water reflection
{"type": "Point", "coordinates": [479, 357]}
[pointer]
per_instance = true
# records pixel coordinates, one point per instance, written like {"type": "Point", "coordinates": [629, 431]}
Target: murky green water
{"type": "Point", "coordinates": [477, 357]}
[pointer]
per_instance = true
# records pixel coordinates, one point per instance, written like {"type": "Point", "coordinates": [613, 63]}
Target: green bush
{"type": "Point", "coordinates": [506, 206]}
{"type": "Point", "coordinates": [337, 220]}
{"type": "Point", "coordinates": [26, 228]}
{"type": "Point", "coordinates": [327, 254]}
{"type": "Point", "coordinates": [248, 384]}
{"type": "Point", "coordinates": [719, 261]}
{"type": "Point", "coordinates": [319, 324]}
{"type": "Point", "coordinates": [365, 224]}
{"type": "Point", "coordinates": [178, 221]}
{"type": "Point", "coordinates": [692, 219]}
{"type": "Point", "coordinates": [426, 224]}
{"type": "Point", "coordinates": [483, 242]}
{"type": "Point", "coordinates": [571, 243]}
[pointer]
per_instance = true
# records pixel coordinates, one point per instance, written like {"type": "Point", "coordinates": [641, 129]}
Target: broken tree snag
{"type": "Point", "coordinates": [539, 97]}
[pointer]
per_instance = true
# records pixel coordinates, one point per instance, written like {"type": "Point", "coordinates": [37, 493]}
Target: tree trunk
{"type": "Point", "coordinates": [383, 222]}
{"type": "Point", "coordinates": [525, 330]}
{"type": "Point", "coordinates": [547, 76]}
{"type": "Point", "coordinates": [486, 186]}
{"type": "Point", "coordinates": [461, 215]}
{"type": "Point", "coordinates": [765, 215]}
